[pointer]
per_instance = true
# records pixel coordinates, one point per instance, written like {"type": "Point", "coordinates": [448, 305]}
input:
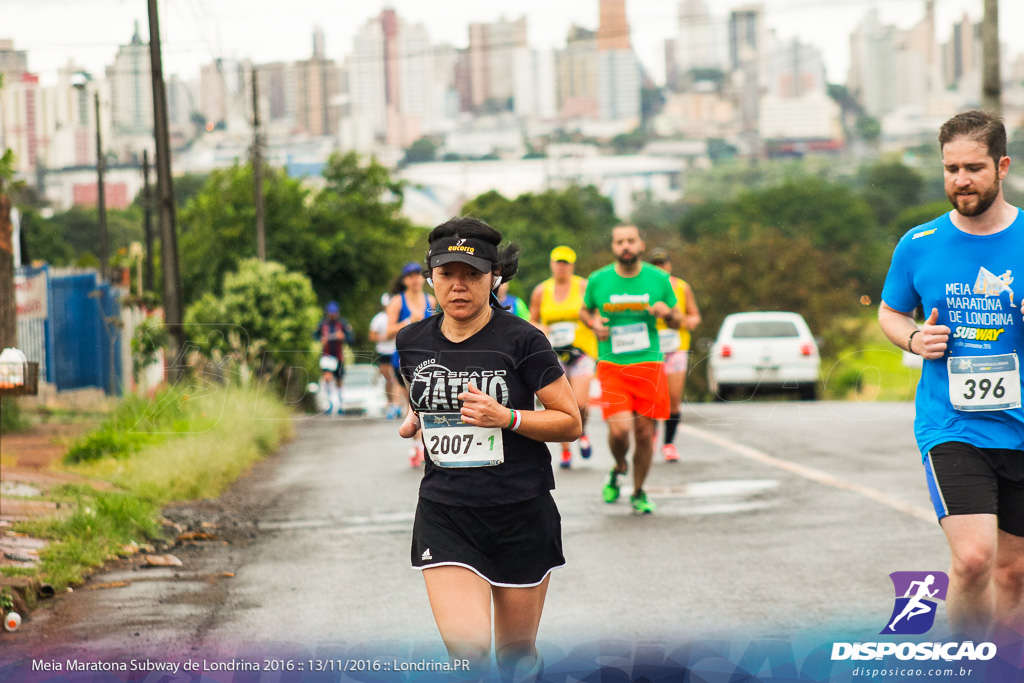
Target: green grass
{"type": "Point", "coordinates": [17, 571]}
{"type": "Point", "coordinates": [181, 446]}
{"type": "Point", "coordinates": [871, 371]}
{"type": "Point", "coordinates": [198, 460]}
{"type": "Point", "coordinates": [101, 523]}
{"type": "Point", "coordinates": [12, 417]}
{"type": "Point", "coordinates": [137, 422]}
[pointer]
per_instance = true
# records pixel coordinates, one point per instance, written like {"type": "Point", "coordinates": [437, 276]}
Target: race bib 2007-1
{"type": "Point", "coordinates": [450, 442]}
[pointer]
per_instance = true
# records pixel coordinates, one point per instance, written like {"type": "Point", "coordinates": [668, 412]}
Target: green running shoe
{"type": "Point", "coordinates": [641, 504]}
{"type": "Point", "coordinates": [611, 489]}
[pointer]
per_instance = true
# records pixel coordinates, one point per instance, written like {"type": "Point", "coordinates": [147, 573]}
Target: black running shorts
{"type": "Point", "coordinates": [966, 480]}
{"type": "Point", "coordinates": [514, 545]}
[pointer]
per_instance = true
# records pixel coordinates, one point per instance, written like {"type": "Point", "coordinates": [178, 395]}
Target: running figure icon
{"type": "Point", "coordinates": [915, 605]}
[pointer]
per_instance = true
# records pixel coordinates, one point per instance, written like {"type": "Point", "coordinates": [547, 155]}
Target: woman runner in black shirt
{"type": "Point", "coordinates": [486, 530]}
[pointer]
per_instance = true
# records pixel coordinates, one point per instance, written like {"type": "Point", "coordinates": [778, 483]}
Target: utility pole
{"type": "Point", "coordinates": [147, 223]}
{"type": "Point", "coordinates": [101, 196]}
{"type": "Point", "coordinates": [991, 84]}
{"type": "Point", "coordinates": [165, 200]}
{"type": "Point", "coordinates": [257, 172]}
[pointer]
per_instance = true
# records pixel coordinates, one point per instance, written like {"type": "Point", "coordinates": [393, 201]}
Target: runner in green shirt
{"type": "Point", "coordinates": [622, 304]}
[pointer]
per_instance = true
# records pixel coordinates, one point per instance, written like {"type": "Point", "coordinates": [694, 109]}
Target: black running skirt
{"type": "Point", "coordinates": [514, 545]}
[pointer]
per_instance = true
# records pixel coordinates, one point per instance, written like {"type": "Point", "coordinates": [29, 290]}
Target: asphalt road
{"type": "Point", "coordinates": [780, 519]}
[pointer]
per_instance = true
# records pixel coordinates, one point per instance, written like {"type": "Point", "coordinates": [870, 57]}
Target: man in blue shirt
{"type": "Point", "coordinates": [969, 422]}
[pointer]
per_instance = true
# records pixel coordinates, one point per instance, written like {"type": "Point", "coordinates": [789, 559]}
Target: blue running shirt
{"type": "Point", "coordinates": [976, 283]}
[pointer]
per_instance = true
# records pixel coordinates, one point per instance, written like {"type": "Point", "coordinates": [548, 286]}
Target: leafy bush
{"type": "Point", "coordinates": [263, 308]}
{"type": "Point", "coordinates": [149, 338]}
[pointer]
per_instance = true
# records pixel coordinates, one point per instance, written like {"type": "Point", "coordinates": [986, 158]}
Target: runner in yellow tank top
{"type": "Point", "coordinates": [675, 344]}
{"type": "Point", "coordinates": [555, 309]}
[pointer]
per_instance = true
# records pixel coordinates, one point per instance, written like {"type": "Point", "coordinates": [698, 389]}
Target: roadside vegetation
{"type": "Point", "coordinates": [871, 370]}
{"type": "Point", "coordinates": [183, 444]}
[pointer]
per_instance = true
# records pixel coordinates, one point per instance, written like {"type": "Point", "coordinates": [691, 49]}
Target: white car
{"type": "Point", "coordinates": [764, 351]}
{"type": "Point", "coordinates": [363, 392]}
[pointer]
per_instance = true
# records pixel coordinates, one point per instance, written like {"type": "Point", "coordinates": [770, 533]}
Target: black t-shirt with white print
{"type": "Point", "coordinates": [510, 360]}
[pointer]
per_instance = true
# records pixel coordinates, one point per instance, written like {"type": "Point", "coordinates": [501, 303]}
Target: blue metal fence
{"type": "Point", "coordinates": [84, 337]}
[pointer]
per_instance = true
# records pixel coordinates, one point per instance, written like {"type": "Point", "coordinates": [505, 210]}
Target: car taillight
{"type": "Point", "coordinates": [726, 351]}
{"type": "Point", "coordinates": [807, 349]}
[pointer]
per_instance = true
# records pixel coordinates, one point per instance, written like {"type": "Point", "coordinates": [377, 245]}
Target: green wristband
{"type": "Point", "coordinates": [511, 418]}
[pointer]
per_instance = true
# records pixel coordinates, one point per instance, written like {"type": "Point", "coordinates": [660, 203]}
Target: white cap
{"type": "Point", "coordinates": [385, 299]}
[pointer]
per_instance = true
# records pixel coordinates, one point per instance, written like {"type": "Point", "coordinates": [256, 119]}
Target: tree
{"type": "Point", "coordinates": [831, 215]}
{"type": "Point", "coordinates": [218, 227]}
{"type": "Point", "coordinates": [421, 151]}
{"type": "Point", "coordinates": [631, 142]}
{"type": "Point", "coordinates": [44, 240]}
{"type": "Point", "coordinates": [265, 314]}
{"type": "Point", "coordinates": [349, 238]}
{"type": "Point", "coordinates": [869, 129]}
{"type": "Point", "coordinates": [8, 309]}
{"type": "Point", "coordinates": [359, 237]}
{"type": "Point", "coordinates": [890, 187]}
{"type": "Point", "coordinates": [652, 101]}
{"type": "Point", "coordinates": [911, 217]}
{"type": "Point", "coordinates": [579, 217]}
{"type": "Point", "coordinates": [768, 271]}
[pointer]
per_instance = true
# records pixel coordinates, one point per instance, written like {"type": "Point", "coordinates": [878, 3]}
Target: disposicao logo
{"type": "Point", "coordinates": [917, 598]}
{"type": "Point", "coordinates": [917, 595]}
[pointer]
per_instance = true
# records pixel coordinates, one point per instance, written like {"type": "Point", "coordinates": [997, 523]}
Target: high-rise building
{"type": "Point", "coordinates": [618, 85]}
{"type": "Point", "coordinates": [795, 105]}
{"type": "Point", "coordinates": [22, 117]}
{"type": "Point", "coordinates": [613, 27]}
{"type": "Point", "coordinates": [317, 87]}
{"type": "Point", "coordinates": [618, 69]}
{"type": "Point", "coordinates": [872, 54]}
{"type": "Point", "coordinates": [447, 100]}
{"type": "Point", "coordinates": [747, 35]}
{"type": "Point", "coordinates": [131, 89]}
{"type": "Point", "coordinates": [795, 69]}
{"type": "Point", "coordinates": [13, 62]}
{"type": "Point", "coordinates": [225, 98]}
{"type": "Point", "coordinates": [396, 91]}
{"type": "Point", "coordinates": [701, 45]}
{"type": "Point", "coordinates": [277, 91]}
{"type": "Point", "coordinates": [577, 75]}
{"type": "Point", "coordinates": [464, 80]}
{"type": "Point", "coordinates": [962, 56]}
{"type": "Point", "coordinates": [367, 83]}
{"type": "Point", "coordinates": [534, 83]}
{"type": "Point", "coordinates": [891, 67]}
{"type": "Point", "coordinates": [74, 138]}
{"type": "Point", "coordinates": [491, 50]}
{"type": "Point", "coordinates": [179, 102]}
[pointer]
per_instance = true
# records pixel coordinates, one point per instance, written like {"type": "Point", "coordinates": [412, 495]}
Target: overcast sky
{"type": "Point", "coordinates": [196, 31]}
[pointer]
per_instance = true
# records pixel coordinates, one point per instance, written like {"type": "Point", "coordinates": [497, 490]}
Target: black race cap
{"type": "Point", "coordinates": [476, 252]}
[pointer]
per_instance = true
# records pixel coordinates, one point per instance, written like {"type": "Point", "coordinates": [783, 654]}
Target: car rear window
{"type": "Point", "coordinates": [765, 329]}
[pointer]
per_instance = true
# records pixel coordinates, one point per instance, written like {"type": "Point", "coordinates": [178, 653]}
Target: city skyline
{"type": "Point", "coordinates": [195, 32]}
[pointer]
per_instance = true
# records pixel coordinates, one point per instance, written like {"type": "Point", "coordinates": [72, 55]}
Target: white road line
{"type": "Point", "coordinates": [810, 473]}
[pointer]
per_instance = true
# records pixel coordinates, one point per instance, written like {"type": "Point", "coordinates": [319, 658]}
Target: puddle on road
{"type": "Point", "coordinates": [715, 489]}
{"type": "Point", "coordinates": [697, 498]}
